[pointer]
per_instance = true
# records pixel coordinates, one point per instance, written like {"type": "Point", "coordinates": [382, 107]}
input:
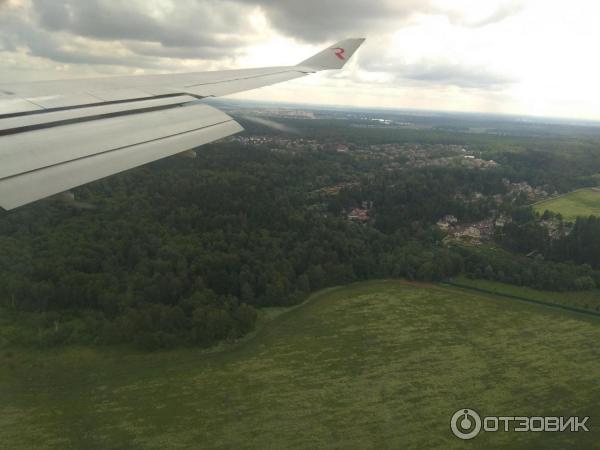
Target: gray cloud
{"type": "Point", "coordinates": [440, 73]}
{"type": "Point", "coordinates": [455, 74]}
{"type": "Point", "coordinates": [157, 50]}
{"type": "Point", "coordinates": [129, 33]}
{"type": "Point", "coordinates": [135, 21]}
{"type": "Point", "coordinates": [20, 35]}
{"type": "Point", "coordinates": [318, 20]}
{"type": "Point", "coordinates": [145, 34]}
{"type": "Point", "coordinates": [503, 11]}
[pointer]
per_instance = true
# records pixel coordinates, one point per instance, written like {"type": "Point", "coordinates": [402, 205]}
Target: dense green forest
{"type": "Point", "coordinates": [183, 252]}
{"type": "Point", "coordinates": [527, 234]}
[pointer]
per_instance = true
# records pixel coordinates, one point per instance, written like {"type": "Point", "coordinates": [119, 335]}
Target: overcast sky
{"type": "Point", "coordinates": [533, 57]}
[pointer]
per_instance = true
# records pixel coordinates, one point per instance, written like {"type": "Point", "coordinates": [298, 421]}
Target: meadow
{"type": "Point", "coordinates": [583, 202]}
{"type": "Point", "coordinates": [371, 365]}
{"type": "Point", "coordinates": [588, 300]}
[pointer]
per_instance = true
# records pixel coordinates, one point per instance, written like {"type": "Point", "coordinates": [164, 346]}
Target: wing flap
{"type": "Point", "coordinates": [25, 152]}
{"type": "Point", "coordinates": [87, 154]}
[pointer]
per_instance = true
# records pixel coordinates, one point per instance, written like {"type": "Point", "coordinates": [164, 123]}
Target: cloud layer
{"type": "Point", "coordinates": [317, 20]}
{"type": "Point", "coordinates": [65, 30]}
{"type": "Point", "coordinates": [466, 53]}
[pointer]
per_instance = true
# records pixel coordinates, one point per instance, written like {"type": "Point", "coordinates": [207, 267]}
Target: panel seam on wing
{"type": "Point", "coordinates": [63, 122]}
{"type": "Point", "coordinates": [242, 78]}
{"type": "Point", "coordinates": [89, 105]}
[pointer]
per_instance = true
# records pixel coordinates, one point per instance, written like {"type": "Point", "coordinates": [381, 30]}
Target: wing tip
{"type": "Point", "coordinates": [334, 56]}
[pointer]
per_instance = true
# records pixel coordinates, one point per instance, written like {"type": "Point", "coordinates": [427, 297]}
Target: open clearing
{"type": "Point", "coordinates": [372, 365]}
{"type": "Point", "coordinates": [584, 300]}
{"type": "Point", "coordinates": [584, 202]}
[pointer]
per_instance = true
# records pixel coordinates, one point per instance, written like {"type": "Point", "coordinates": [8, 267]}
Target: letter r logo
{"type": "Point", "coordinates": [339, 52]}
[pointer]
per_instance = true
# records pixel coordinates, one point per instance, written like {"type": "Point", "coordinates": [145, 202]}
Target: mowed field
{"type": "Point", "coordinates": [374, 365]}
{"type": "Point", "coordinates": [584, 300]}
{"type": "Point", "coordinates": [584, 202]}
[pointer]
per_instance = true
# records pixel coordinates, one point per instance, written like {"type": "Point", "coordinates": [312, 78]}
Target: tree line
{"type": "Point", "coordinates": [186, 252]}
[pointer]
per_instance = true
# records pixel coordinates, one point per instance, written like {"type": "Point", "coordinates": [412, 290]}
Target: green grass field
{"type": "Point", "coordinates": [375, 365]}
{"type": "Point", "coordinates": [587, 300]}
{"type": "Point", "coordinates": [584, 202]}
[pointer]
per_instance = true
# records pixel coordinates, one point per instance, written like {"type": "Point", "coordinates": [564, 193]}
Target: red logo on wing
{"type": "Point", "coordinates": [339, 52]}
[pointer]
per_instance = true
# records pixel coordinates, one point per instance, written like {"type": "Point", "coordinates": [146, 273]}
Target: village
{"type": "Point", "coordinates": [396, 157]}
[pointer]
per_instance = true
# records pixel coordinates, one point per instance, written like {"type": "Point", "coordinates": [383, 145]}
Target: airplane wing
{"type": "Point", "coordinates": [57, 135]}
